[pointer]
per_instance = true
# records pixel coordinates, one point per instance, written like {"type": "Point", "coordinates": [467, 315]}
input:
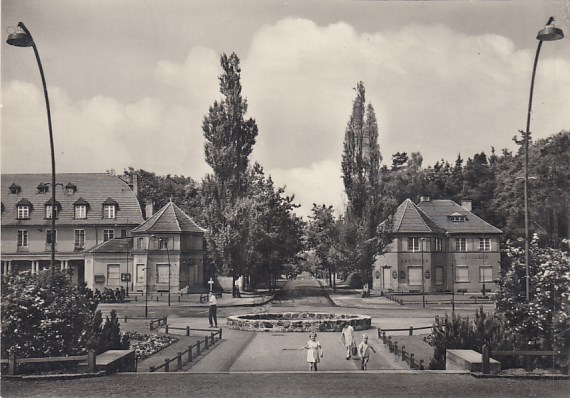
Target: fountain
{"type": "Point", "coordinates": [297, 322]}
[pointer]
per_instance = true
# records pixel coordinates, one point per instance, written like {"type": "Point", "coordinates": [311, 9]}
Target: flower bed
{"type": "Point", "coordinates": [147, 344]}
{"type": "Point", "coordinates": [297, 322]}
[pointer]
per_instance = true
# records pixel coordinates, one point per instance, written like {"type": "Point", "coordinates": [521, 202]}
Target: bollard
{"type": "Point", "coordinates": [411, 332]}
{"type": "Point", "coordinates": [403, 353]}
{"type": "Point", "coordinates": [136, 298]}
{"type": "Point", "coordinates": [485, 359]}
{"type": "Point", "coordinates": [220, 333]}
{"type": "Point", "coordinates": [198, 348]}
{"type": "Point", "coordinates": [167, 365]}
{"type": "Point", "coordinates": [187, 330]}
{"type": "Point", "coordinates": [212, 337]}
{"type": "Point", "coordinates": [92, 361]}
{"type": "Point", "coordinates": [205, 343]}
{"type": "Point", "coordinates": [166, 329]}
{"type": "Point", "coordinates": [411, 361]}
{"type": "Point", "coordinates": [396, 352]}
{"type": "Point", "coordinates": [179, 360]}
{"type": "Point", "coordinates": [189, 353]}
{"type": "Point", "coordinates": [424, 301]}
{"type": "Point", "coordinates": [390, 346]}
{"type": "Point", "coordinates": [11, 364]}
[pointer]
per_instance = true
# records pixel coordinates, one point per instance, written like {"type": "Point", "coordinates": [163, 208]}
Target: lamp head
{"type": "Point", "coordinates": [19, 37]}
{"type": "Point", "coordinates": [550, 32]}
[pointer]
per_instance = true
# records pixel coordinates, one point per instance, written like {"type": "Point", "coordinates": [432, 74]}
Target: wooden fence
{"type": "Point", "coordinates": [191, 352]}
{"type": "Point", "coordinates": [488, 353]}
{"type": "Point", "coordinates": [14, 361]}
{"type": "Point", "coordinates": [401, 351]}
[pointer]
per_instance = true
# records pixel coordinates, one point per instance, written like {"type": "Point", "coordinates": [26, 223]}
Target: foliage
{"type": "Point", "coordinates": [543, 321]}
{"type": "Point", "coordinates": [105, 336]}
{"type": "Point", "coordinates": [44, 316]}
{"type": "Point", "coordinates": [321, 237]}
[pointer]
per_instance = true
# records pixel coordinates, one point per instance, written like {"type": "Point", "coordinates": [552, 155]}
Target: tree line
{"type": "Point", "coordinates": [252, 228]}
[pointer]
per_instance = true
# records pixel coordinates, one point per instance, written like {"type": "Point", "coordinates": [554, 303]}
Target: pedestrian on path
{"type": "Point", "coordinates": [347, 338]}
{"type": "Point", "coordinates": [364, 351]}
{"type": "Point", "coordinates": [314, 351]}
{"type": "Point", "coordinates": [212, 314]}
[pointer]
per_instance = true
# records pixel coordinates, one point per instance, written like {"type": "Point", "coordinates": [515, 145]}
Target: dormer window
{"type": "Point", "coordinates": [24, 208]}
{"type": "Point", "coordinates": [52, 211]}
{"type": "Point", "coordinates": [457, 217]}
{"type": "Point", "coordinates": [80, 208]}
{"type": "Point", "coordinates": [15, 189]}
{"type": "Point", "coordinates": [110, 208]}
{"type": "Point", "coordinates": [70, 189]}
{"type": "Point", "coordinates": [43, 188]}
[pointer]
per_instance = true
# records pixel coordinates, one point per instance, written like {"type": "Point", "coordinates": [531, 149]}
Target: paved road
{"type": "Point", "coordinates": [423, 384]}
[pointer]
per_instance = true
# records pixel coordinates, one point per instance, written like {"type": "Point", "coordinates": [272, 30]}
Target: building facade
{"type": "Point", "coordinates": [89, 209]}
{"type": "Point", "coordinates": [166, 253]}
{"type": "Point", "coordinates": [439, 246]}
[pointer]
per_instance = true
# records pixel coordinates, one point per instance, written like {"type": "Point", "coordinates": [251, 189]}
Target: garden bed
{"type": "Point", "coordinates": [146, 345]}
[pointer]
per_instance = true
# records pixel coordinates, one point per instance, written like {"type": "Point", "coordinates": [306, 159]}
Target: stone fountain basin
{"type": "Point", "coordinates": [297, 322]}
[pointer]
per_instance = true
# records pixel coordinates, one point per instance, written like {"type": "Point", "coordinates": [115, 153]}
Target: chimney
{"type": "Point", "coordinates": [466, 204]}
{"type": "Point", "coordinates": [149, 209]}
{"type": "Point", "coordinates": [425, 199]}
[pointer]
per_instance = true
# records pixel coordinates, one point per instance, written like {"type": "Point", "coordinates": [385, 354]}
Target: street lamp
{"type": "Point", "coordinates": [23, 38]}
{"type": "Point", "coordinates": [549, 33]}
{"type": "Point", "coordinates": [423, 280]}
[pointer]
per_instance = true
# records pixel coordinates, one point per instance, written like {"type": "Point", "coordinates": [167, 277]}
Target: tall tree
{"type": "Point", "coordinates": [361, 176]}
{"type": "Point", "coordinates": [229, 142]}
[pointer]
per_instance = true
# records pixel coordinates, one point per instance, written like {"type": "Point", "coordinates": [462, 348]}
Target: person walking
{"type": "Point", "coordinates": [364, 351]}
{"type": "Point", "coordinates": [314, 351]}
{"type": "Point", "coordinates": [347, 338]}
{"type": "Point", "coordinates": [212, 314]}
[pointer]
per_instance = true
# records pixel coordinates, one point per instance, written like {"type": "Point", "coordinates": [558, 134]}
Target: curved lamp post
{"type": "Point", "coordinates": [549, 33]}
{"type": "Point", "coordinates": [165, 241]}
{"type": "Point", "coordinates": [23, 38]}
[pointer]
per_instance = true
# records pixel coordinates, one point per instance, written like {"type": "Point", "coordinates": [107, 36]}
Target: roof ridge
{"type": "Point", "coordinates": [420, 212]}
{"type": "Point", "coordinates": [174, 207]}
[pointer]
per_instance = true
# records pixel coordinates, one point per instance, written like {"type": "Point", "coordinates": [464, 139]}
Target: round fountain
{"type": "Point", "coordinates": [297, 322]}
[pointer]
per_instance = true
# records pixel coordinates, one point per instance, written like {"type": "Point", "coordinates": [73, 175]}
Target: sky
{"type": "Point", "coordinates": [130, 81]}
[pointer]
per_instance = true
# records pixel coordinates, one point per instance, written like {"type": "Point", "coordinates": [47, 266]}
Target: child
{"type": "Point", "coordinates": [314, 351]}
{"type": "Point", "coordinates": [347, 338]}
{"type": "Point", "coordinates": [364, 350]}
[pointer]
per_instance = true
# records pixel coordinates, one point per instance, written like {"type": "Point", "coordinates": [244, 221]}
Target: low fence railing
{"type": "Point", "coordinates": [488, 352]}
{"type": "Point", "coordinates": [191, 352]}
{"type": "Point", "coordinates": [13, 361]}
{"type": "Point", "coordinates": [401, 352]}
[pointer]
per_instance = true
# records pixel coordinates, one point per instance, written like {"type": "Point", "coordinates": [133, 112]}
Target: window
{"type": "Point", "coordinates": [49, 210]}
{"type": "Point", "coordinates": [485, 273]}
{"type": "Point", "coordinates": [163, 243]}
{"type": "Point", "coordinates": [48, 237]}
{"type": "Point", "coordinates": [109, 211]}
{"type": "Point", "coordinates": [415, 276]}
{"type": "Point", "coordinates": [70, 189]}
{"type": "Point", "coordinates": [79, 239]}
{"type": "Point", "coordinates": [457, 218]}
{"type": "Point", "coordinates": [162, 273]}
{"type": "Point", "coordinates": [23, 212]}
{"type": "Point", "coordinates": [123, 233]}
{"type": "Point", "coordinates": [461, 273]}
{"type": "Point", "coordinates": [460, 244]}
{"type": "Point", "coordinates": [108, 234]}
{"type": "Point", "coordinates": [43, 188]}
{"type": "Point", "coordinates": [439, 276]}
{"type": "Point", "coordinates": [485, 244]}
{"type": "Point", "coordinates": [113, 274]}
{"type": "Point", "coordinates": [140, 274]}
{"type": "Point", "coordinates": [438, 245]}
{"type": "Point", "coordinates": [80, 211]}
{"type": "Point", "coordinates": [140, 243]}
{"type": "Point", "coordinates": [414, 244]}
{"type": "Point", "coordinates": [22, 238]}
{"type": "Point", "coordinates": [15, 189]}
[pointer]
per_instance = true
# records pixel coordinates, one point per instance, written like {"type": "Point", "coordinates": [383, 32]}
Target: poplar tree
{"type": "Point", "coordinates": [230, 138]}
{"type": "Point", "coordinates": [361, 177]}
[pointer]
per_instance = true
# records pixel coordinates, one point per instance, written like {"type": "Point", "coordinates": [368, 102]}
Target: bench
{"type": "Point", "coordinates": [204, 297]}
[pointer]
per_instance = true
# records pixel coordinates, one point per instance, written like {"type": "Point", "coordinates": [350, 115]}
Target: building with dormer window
{"type": "Point", "coordinates": [89, 209]}
{"type": "Point", "coordinates": [439, 246]}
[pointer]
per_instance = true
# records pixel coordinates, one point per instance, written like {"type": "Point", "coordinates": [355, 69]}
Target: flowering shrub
{"type": "Point", "coordinates": [147, 344]}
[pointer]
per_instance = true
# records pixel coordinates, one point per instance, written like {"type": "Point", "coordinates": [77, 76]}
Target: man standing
{"type": "Point", "coordinates": [212, 315]}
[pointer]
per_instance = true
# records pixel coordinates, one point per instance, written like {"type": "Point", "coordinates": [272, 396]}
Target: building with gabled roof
{"type": "Point", "coordinates": [166, 253]}
{"type": "Point", "coordinates": [90, 208]}
{"type": "Point", "coordinates": [439, 246]}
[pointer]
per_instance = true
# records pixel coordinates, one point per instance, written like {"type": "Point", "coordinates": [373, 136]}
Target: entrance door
{"type": "Point", "coordinates": [385, 278]}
